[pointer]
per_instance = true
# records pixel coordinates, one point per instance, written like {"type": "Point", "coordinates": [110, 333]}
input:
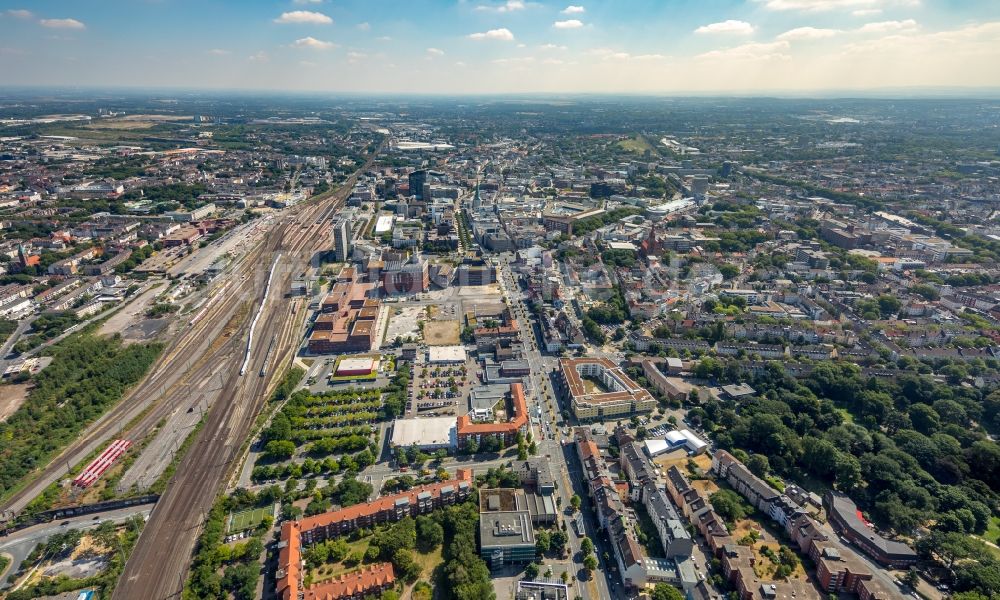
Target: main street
{"type": "Point", "coordinates": [546, 430]}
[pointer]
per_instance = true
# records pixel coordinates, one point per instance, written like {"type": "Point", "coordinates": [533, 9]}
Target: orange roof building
{"type": "Point", "coordinates": [297, 534]}
{"type": "Point", "coordinates": [507, 431]}
{"type": "Point", "coordinates": [356, 585]}
{"type": "Point", "coordinates": [347, 322]}
{"type": "Point", "coordinates": [598, 389]}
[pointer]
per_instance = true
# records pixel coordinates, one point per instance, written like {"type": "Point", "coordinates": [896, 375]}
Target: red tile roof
{"type": "Point", "coordinates": [370, 578]}
{"type": "Point", "coordinates": [467, 427]}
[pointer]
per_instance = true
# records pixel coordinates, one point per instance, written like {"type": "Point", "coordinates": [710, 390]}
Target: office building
{"type": "Point", "coordinates": [342, 240]}
{"type": "Point", "coordinates": [417, 181]}
{"type": "Point", "coordinates": [505, 530]}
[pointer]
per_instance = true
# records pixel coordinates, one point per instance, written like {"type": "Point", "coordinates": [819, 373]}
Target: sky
{"type": "Point", "coordinates": [503, 46]}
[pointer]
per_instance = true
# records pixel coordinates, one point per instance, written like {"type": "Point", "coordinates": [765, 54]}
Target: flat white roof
{"type": "Point", "coordinates": [676, 437]}
{"type": "Point", "coordinates": [356, 364]}
{"type": "Point", "coordinates": [383, 224]}
{"type": "Point", "coordinates": [655, 447]}
{"type": "Point", "coordinates": [428, 432]}
{"type": "Point", "coordinates": [622, 246]}
{"type": "Point", "coordinates": [446, 354]}
{"type": "Point", "coordinates": [693, 442]}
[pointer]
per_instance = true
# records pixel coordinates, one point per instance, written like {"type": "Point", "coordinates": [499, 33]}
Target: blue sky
{"type": "Point", "coordinates": [489, 46]}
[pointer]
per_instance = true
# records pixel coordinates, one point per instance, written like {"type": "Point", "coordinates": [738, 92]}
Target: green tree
{"type": "Point", "coordinates": [664, 591]}
{"type": "Point", "coordinates": [730, 505]}
{"type": "Point", "coordinates": [542, 542]}
{"type": "Point", "coordinates": [430, 533]}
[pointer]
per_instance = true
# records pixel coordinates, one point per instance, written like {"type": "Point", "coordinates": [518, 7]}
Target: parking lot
{"type": "Point", "coordinates": [442, 389]}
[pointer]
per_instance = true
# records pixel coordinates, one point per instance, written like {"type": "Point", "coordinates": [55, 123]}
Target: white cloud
{"type": "Point", "coordinates": [307, 17]}
{"type": "Point", "coordinates": [568, 24]}
{"type": "Point", "coordinates": [307, 63]}
{"type": "Point", "coordinates": [435, 52]}
{"type": "Point", "coordinates": [551, 47]}
{"type": "Point", "coordinates": [62, 24]}
{"type": "Point", "coordinates": [219, 52]}
{"type": "Point", "coordinates": [573, 9]}
{"type": "Point", "coordinates": [553, 61]}
{"type": "Point", "coordinates": [502, 34]}
{"type": "Point", "coordinates": [866, 12]}
{"type": "Point", "coordinates": [366, 26]}
{"type": "Point", "coordinates": [521, 60]}
{"type": "Point", "coordinates": [459, 63]}
{"type": "Point", "coordinates": [907, 26]}
{"type": "Point", "coordinates": [508, 6]}
{"type": "Point", "coordinates": [303, 2]}
{"type": "Point", "coordinates": [383, 38]}
{"type": "Point", "coordinates": [353, 57]}
{"type": "Point", "coordinates": [611, 54]}
{"type": "Point", "coordinates": [19, 13]}
{"type": "Point", "coordinates": [260, 56]}
{"type": "Point", "coordinates": [827, 5]}
{"type": "Point", "coordinates": [313, 44]}
{"type": "Point", "coordinates": [729, 26]}
{"type": "Point", "coordinates": [807, 33]}
{"type": "Point", "coordinates": [750, 52]}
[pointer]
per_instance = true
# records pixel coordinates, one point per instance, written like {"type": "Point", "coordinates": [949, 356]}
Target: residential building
{"type": "Point", "coordinates": [507, 431]}
{"type": "Point", "coordinates": [581, 382]}
{"type": "Point", "coordinates": [846, 520]}
{"type": "Point", "coordinates": [296, 535]}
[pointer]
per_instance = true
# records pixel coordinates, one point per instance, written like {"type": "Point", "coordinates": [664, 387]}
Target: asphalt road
{"type": "Point", "coordinates": [548, 435]}
{"type": "Point", "coordinates": [20, 543]}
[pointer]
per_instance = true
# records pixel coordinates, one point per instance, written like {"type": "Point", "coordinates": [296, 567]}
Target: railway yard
{"type": "Point", "coordinates": [158, 565]}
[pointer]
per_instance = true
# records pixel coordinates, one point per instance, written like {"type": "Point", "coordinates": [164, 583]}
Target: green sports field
{"type": "Point", "coordinates": [248, 519]}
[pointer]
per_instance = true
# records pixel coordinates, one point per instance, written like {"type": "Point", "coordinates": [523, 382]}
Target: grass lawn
{"type": "Point", "coordinates": [329, 571]}
{"type": "Point", "coordinates": [764, 567]}
{"type": "Point", "coordinates": [993, 531]}
{"type": "Point", "coordinates": [637, 144]}
{"type": "Point", "coordinates": [428, 562]}
{"type": "Point", "coordinates": [848, 417]}
{"type": "Point", "coordinates": [652, 546]}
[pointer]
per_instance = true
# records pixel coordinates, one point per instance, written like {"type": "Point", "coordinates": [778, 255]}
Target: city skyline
{"type": "Point", "coordinates": [644, 47]}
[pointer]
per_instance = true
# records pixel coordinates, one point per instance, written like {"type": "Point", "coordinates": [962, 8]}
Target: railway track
{"type": "Point", "coordinates": [165, 374]}
{"type": "Point", "coordinates": [158, 565]}
{"type": "Point", "coordinates": [160, 394]}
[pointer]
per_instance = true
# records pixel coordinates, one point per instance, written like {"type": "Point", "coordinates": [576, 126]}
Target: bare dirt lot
{"type": "Point", "coordinates": [132, 315]}
{"type": "Point", "coordinates": [441, 333]}
{"type": "Point", "coordinates": [403, 322]}
{"type": "Point", "coordinates": [11, 398]}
